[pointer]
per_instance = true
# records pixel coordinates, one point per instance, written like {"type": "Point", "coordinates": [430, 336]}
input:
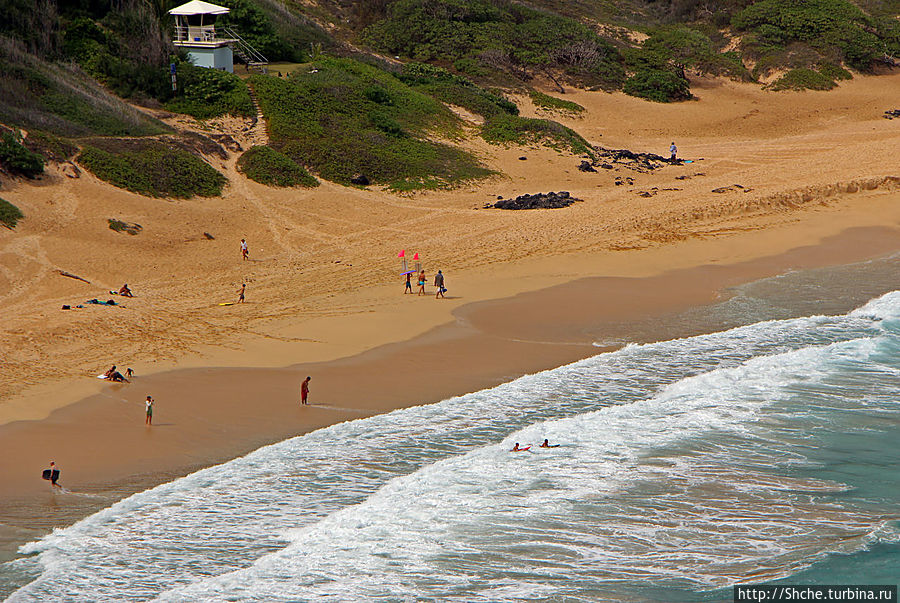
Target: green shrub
{"type": "Point", "coordinates": [823, 24]}
{"type": "Point", "coordinates": [455, 90]}
{"type": "Point", "coordinates": [689, 47]}
{"type": "Point", "coordinates": [9, 214]}
{"type": "Point", "coordinates": [151, 168]}
{"type": "Point", "coordinates": [344, 117]}
{"type": "Point", "coordinates": [512, 129]}
{"type": "Point", "coordinates": [18, 159]}
{"type": "Point", "coordinates": [120, 226]}
{"type": "Point", "coordinates": [658, 85]}
{"type": "Point", "coordinates": [803, 79]}
{"type": "Point", "coordinates": [551, 103]}
{"type": "Point", "coordinates": [495, 34]}
{"type": "Point", "coordinates": [209, 93]}
{"type": "Point", "coordinates": [267, 166]}
{"type": "Point", "coordinates": [279, 33]}
{"type": "Point", "coordinates": [833, 72]}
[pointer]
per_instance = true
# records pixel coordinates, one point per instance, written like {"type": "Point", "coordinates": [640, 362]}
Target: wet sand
{"type": "Point", "coordinates": [205, 416]}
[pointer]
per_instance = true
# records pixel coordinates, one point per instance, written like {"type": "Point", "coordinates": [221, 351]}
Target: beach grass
{"type": "Point", "coordinates": [9, 214]}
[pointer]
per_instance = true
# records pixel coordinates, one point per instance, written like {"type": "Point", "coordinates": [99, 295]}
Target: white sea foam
{"type": "Point", "coordinates": [666, 471]}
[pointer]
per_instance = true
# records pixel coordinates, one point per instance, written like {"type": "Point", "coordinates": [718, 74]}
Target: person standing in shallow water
{"type": "Point", "coordinates": [304, 391]}
{"type": "Point", "coordinates": [54, 475]}
{"type": "Point", "coordinates": [149, 404]}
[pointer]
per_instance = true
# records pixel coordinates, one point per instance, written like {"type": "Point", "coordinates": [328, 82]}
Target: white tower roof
{"type": "Point", "coordinates": [198, 7]}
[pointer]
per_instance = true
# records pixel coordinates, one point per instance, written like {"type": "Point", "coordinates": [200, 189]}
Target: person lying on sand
{"type": "Point", "coordinates": [114, 375]}
{"type": "Point", "coordinates": [125, 291]}
{"type": "Point", "coordinates": [546, 444]}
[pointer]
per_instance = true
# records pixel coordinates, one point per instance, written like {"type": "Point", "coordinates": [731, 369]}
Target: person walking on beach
{"type": "Point", "coordinates": [421, 283]}
{"type": "Point", "coordinates": [304, 391]}
{"type": "Point", "coordinates": [129, 372]}
{"type": "Point", "coordinates": [408, 283]}
{"type": "Point", "coordinates": [53, 475]}
{"type": "Point", "coordinates": [241, 293]}
{"type": "Point", "coordinates": [439, 283]}
{"type": "Point", "coordinates": [149, 403]}
{"type": "Point", "coordinates": [673, 150]}
{"type": "Point", "coordinates": [245, 253]}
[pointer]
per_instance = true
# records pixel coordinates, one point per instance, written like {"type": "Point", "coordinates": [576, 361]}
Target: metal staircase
{"type": "Point", "coordinates": [252, 57]}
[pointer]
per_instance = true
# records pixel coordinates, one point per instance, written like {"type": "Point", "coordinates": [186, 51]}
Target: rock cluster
{"type": "Point", "coordinates": [639, 162]}
{"type": "Point", "coordinates": [549, 200]}
{"type": "Point", "coordinates": [891, 114]}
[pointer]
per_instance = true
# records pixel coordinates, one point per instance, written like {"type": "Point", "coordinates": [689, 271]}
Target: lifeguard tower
{"type": "Point", "coordinates": [195, 31]}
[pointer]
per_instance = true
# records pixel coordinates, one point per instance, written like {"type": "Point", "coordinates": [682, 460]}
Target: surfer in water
{"type": "Point", "coordinates": [546, 444]}
{"type": "Point", "coordinates": [517, 449]}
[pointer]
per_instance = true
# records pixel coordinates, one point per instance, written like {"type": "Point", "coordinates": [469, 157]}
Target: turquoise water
{"type": "Point", "coordinates": [755, 453]}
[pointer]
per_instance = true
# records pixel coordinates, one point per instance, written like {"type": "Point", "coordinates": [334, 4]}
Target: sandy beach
{"type": "Point", "coordinates": [819, 178]}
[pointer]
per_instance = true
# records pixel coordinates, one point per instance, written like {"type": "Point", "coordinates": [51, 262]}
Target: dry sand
{"type": "Point", "coordinates": [821, 177]}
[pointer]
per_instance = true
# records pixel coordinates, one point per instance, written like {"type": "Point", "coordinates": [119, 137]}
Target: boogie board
{"type": "Point", "coordinates": [521, 449]}
{"type": "Point", "coordinates": [46, 474]}
{"type": "Point", "coordinates": [103, 376]}
{"type": "Point", "coordinates": [227, 303]}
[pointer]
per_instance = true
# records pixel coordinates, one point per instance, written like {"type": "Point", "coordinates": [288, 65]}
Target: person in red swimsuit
{"type": "Point", "coordinates": [304, 391]}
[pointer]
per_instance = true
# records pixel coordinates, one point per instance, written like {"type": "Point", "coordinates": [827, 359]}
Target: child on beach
{"type": "Point", "coordinates": [245, 253]}
{"type": "Point", "coordinates": [241, 293]}
{"type": "Point", "coordinates": [149, 403]}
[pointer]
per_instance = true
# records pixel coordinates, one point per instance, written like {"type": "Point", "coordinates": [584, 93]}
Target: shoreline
{"type": "Point", "coordinates": [210, 415]}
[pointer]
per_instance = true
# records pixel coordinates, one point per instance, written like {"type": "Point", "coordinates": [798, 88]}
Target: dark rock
{"type": "Point", "coordinates": [549, 200]}
{"type": "Point", "coordinates": [892, 113]}
{"type": "Point", "coordinates": [499, 197]}
{"type": "Point", "coordinates": [639, 162]}
{"type": "Point", "coordinates": [585, 166]}
{"type": "Point", "coordinates": [523, 158]}
{"type": "Point", "coordinates": [360, 179]}
{"type": "Point", "coordinates": [208, 236]}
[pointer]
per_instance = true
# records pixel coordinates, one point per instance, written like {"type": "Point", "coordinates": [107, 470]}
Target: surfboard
{"type": "Point", "coordinates": [227, 303]}
{"type": "Point", "coordinates": [103, 376]}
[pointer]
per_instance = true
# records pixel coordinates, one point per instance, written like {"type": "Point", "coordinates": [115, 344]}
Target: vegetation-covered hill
{"type": "Point", "coordinates": [67, 65]}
